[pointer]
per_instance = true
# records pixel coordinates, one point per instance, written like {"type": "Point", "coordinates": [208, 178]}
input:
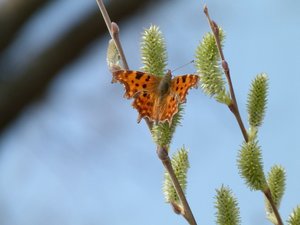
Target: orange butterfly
{"type": "Point", "coordinates": [156, 98]}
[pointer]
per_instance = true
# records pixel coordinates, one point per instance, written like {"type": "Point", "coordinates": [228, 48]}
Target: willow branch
{"type": "Point", "coordinates": [161, 152]}
{"type": "Point", "coordinates": [234, 106]}
{"type": "Point", "coordinates": [114, 31]}
{"type": "Point", "coordinates": [165, 159]}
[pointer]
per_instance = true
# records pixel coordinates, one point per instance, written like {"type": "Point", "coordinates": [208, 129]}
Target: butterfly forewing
{"type": "Point", "coordinates": [135, 81]}
{"type": "Point", "coordinates": [181, 84]}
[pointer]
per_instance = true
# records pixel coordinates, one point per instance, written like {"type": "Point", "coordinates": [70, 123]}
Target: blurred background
{"type": "Point", "coordinates": [71, 151]}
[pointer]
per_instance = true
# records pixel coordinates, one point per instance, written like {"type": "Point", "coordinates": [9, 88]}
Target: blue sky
{"type": "Point", "coordinates": [77, 155]}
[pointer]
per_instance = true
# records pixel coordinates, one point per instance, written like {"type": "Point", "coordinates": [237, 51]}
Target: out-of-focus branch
{"type": "Point", "coordinates": [28, 85]}
{"type": "Point", "coordinates": [13, 14]}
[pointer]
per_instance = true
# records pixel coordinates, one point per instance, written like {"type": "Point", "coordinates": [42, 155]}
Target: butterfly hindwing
{"type": "Point", "coordinates": [135, 81]}
{"type": "Point", "coordinates": [144, 103]}
{"type": "Point", "coordinates": [169, 108]}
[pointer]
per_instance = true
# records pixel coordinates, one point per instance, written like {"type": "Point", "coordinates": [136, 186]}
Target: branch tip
{"type": "Point", "coordinates": [205, 9]}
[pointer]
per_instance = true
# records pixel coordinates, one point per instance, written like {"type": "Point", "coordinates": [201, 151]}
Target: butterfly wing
{"type": "Point", "coordinates": [144, 103]}
{"type": "Point", "coordinates": [168, 108]}
{"type": "Point", "coordinates": [181, 84]}
{"type": "Point", "coordinates": [143, 88]}
{"type": "Point", "coordinates": [148, 106]}
{"type": "Point", "coordinates": [135, 81]}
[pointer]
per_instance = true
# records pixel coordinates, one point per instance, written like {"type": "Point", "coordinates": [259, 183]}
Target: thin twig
{"type": "Point", "coordinates": [187, 213]}
{"type": "Point", "coordinates": [162, 152]}
{"type": "Point", "coordinates": [268, 195]}
{"type": "Point", "coordinates": [113, 31]}
{"type": "Point", "coordinates": [234, 106]}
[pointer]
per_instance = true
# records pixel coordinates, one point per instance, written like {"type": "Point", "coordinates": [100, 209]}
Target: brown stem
{"type": "Point", "coordinates": [165, 159]}
{"type": "Point", "coordinates": [237, 115]}
{"type": "Point", "coordinates": [162, 152]}
{"type": "Point", "coordinates": [268, 195]}
{"type": "Point", "coordinates": [234, 106]}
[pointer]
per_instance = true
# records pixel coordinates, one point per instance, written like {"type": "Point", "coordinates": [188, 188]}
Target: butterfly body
{"type": "Point", "coordinates": [156, 98]}
{"type": "Point", "coordinates": [163, 87]}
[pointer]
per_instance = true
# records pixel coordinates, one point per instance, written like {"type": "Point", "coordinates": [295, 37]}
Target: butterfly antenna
{"type": "Point", "coordinates": [184, 65]}
{"type": "Point", "coordinates": [203, 2]}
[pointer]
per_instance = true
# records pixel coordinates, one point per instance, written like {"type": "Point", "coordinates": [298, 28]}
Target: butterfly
{"type": "Point", "coordinates": [156, 98]}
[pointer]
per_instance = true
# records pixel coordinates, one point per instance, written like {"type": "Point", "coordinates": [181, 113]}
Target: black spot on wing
{"type": "Point", "coordinates": [139, 75]}
{"type": "Point", "coordinates": [183, 79]}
